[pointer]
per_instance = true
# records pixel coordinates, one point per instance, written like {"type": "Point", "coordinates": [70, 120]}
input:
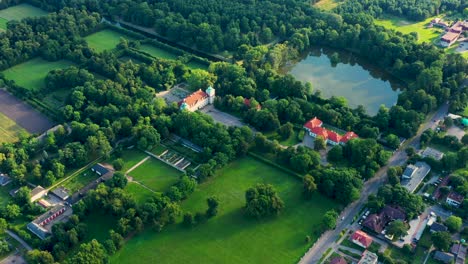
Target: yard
{"type": "Point", "coordinates": [130, 157]}
{"type": "Point", "coordinates": [105, 40]}
{"type": "Point", "coordinates": [9, 130]}
{"type": "Point", "coordinates": [230, 237]}
{"type": "Point", "coordinates": [31, 74]}
{"type": "Point", "coordinates": [77, 183]}
{"type": "Point", "coordinates": [158, 52]}
{"type": "Point", "coordinates": [156, 175]}
{"type": "Point", "coordinates": [19, 12]}
{"type": "Point", "coordinates": [140, 193]}
{"type": "Point", "coordinates": [424, 34]}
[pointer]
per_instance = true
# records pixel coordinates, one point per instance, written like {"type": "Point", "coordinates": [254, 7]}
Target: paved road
{"type": "Point", "coordinates": [371, 186]}
{"type": "Point", "coordinates": [19, 239]}
{"type": "Point", "coordinates": [13, 259]}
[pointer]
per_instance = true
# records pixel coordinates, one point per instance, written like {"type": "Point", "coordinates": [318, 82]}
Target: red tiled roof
{"type": "Point", "coordinates": [314, 122]}
{"type": "Point", "coordinates": [320, 132]}
{"type": "Point", "coordinates": [338, 260]}
{"type": "Point", "coordinates": [333, 136]}
{"type": "Point", "coordinates": [456, 197]}
{"type": "Point", "coordinates": [348, 136]}
{"type": "Point", "coordinates": [361, 237]}
{"type": "Point", "coordinates": [194, 98]}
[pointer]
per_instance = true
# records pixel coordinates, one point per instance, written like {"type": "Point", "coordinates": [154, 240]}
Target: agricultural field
{"type": "Point", "coordinates": [31, 74]}
{"type": "Point", "coordinates": [105, 40]}
{"type": "Point", "coordinates": [230, 237]}
{"type": "Point", "coordinates": [399, 24]}
{"type": "Point", "coordinates": [158, 52]}
{"type": "Point", "coordinates": [155, 175]}
{"type": "Point", "coordinates": [19, 12]}
{"type": "Point", "coordinates": [9, 130]}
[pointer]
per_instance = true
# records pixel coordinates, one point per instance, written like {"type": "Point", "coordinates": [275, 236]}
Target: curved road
{"type": "Point", "coordinates": [328, 239]}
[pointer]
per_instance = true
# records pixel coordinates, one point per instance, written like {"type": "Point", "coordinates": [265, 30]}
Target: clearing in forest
{"type": "Point", "coordinates": [326, 4]}
{"type": "Point", "coordinates": [19, 12]}
{"type": "Point", "coordinates": [31, 74]}
{"type": "Point", "coordinates": [158, 52]}
{"type": "Point", "coordinates": [425, 34]}
{"type": "Point", "coordinates": [106, 39]}
{"type": "Point", "coordinates": [230, 237]}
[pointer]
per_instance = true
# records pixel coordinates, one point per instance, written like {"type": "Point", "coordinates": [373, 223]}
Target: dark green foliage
{"type": "Point", "coordinates": [262, 200]}
{"type": "Point", "coordinates": [441, 240]}
{"type": "Point", "coordinates": [309, 186]}
{"type": "Point", "coordinates": [213, 204]}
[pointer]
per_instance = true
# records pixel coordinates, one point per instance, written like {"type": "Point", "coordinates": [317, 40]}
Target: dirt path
{"type": "Point", "coordinates": [138, 164]}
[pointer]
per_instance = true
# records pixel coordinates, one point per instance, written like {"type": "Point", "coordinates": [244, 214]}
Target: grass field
{"type": "Point", "coordinates": [158, 52]}
{"type": "Point", "coordinates": [3, 24]}
{"type": "Point", "coordinates": [19, 12]}
{"type": "Point", "coordinates": [230, 237]}
{"type": "Point", "coordinates": [9, 130]}
{"type": "Point", "coordinates": [130, 157]}
{"type": "Point", "coordinates": [156, 175]}
{"type": "Point", "coordinates": [105, 40]}
{"type": "Point", "coordinates": [80, 181]}
{"type": "Point", "coordinates": [4, 195]}
{"type": "Point", "coordinates": [31, 74]}
{"type": "Point", "coordinates": [197, 65]}
{"type": "Point", "coordinates": [399, 24]}
{"type": "Point", "coordinates": [326, 4]}
{"type": "Point", "coordinates": [99, 226]}
{"type": "Point", "coordinates": [140, 194]}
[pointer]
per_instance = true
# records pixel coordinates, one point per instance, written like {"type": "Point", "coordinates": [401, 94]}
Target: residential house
{"type": "Point", "coordinates": [378, 222]}
{"type": "Point", "coordinates": [99, 169]}
{"type": "Point", "coordinates": [433, 153]}
{"type": "Point", "coordinates": [414, 175]}
{"type": "Point", "coordinates": [438, 22]}
{"type": "Point", "coordinates": [4, 179]}
{"type": "Point", "coordinates": [459, 251]}
{"type": "Point", "coordinates": [42, 225]}
{"type": "Point", "coordinates": [437, 227]}
{"type": "Point", "coordinates": [443, 257]}
{"type": "Point", "coordinates": [449, 38]}
{"type": "Point", "coordinates": [61, 193]}
{"type": "Point", "coordinates": [368, 257]}
{"type": "Point", "coordinates": [198, 100]}
{"type": "Point", "coordinates": [409, 171]}
{"type": "Point", "coordinates": [361, 239]}
{"type": "Point", "coordinates": [338, 260]}
{"type": "Point", "coordinates": [37, 193]}
{"type": "Point", "coordinates": [455, 199]}
{"type": "Point", "coordinates": [314, 129]}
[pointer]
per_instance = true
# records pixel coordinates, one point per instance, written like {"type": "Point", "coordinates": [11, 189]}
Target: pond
{"type": "Point", "coordinates": [351, 77]}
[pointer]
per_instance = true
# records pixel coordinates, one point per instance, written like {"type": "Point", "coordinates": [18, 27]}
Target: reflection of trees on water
{"type": "Point", "coordinates": [350, 58]}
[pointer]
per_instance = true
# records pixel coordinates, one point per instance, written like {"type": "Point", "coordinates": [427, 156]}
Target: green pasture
{"type": "Point", "coordinates": [31, 74]}
{"type": "Point", "coordinates": [105, 39]}
{"type": "Point", "coordinates": [158, 52]}
{"type": "Point", "coordinates": [21, 11]}
{"type": "Point", "coordinates": [138, 192]}
{"type": "Point", "coordinates": [230, 237]}
{"type": "Point", "coordinates": [425, 34]}
{"type": "Point", "coordinates": [9, 130]}
{"type": "Point", "coordinates": [156, 175]}
{"type": "Point", "coordinates": [3, 24]}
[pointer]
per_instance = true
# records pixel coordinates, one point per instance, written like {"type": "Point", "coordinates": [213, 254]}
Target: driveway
{"type": "Point", "coordinates": [13, 259]}
{"type": "Point", "coordinates": [456, 131]}
{"type": "Point", "coordinates": [222, 117]}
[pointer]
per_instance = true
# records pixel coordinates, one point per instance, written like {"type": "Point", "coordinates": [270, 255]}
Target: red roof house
{"type": "Point", "coordinates": [320, 132]}
{"type": "Point", "coordinates": [348, 136]}
{"type": "Point", "coordinates": [314, 122]}
{"type": "Point", "coordinates": [333, 137]}
{"type": "Point", "coordinates": [455, 199]}
{"type": "Point", "coordinates": [361, 239]}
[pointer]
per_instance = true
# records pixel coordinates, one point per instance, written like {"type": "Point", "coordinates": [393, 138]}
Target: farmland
{"type": "Point", "coordinates": [105, 40]}
{"type": "Point", "coordinates": [230, 237]}
{"type": "Point", "coordinates": [9, 130]}
{"type": "Point", "coordinates": [31, 74]}
{"type": "Point", "coordinates": [19, 12]}
{"type": "Point", "coordinates": [155, 175]}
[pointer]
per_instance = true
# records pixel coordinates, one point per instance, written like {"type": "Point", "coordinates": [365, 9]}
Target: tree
{"type": "Point", "coordinates": [39, 257]}
{"type": "Point", "coordinates": [119, 180]}
{"type": "Point", "coordinates": [11, 211]}
{"type": "Point", "coordinates": [118, 164]}
{"type": "Point", "coordinates": [286, 130]}
{"type": "Point", "coordinates": [22, 196]}
{"type": "Point", "coordinates": [448, 122]}
{"type": "Point", "coordinates": [397, 229]}
{"type": "Point", "coordinates": [441, 240]}
{"type": "Point", "coordinates": [454, 223]}
{"type": "Point", "coordinates": [92, 252]}
{"type": "Point", "coordinates": [410, 151]}
{"type": "Point", "coordinates": [5, 248]}
{"type": "Point", "coordinates": [3, 225]}
{"type": "Point", "coordinates": [309, 186]}
{"type": "Point", "coordinates": [464, 139]}
{"type": "Point", "coordinates": [392, 141]}
{"type": "Point", "coordinates": [319, 143]}
{"type": "Point", "coordinates": [188, 219]}
{"type": "Point", "coordinates": [335, 153]}
{"type": "Point", "coordinates": [262, 200]}
{"type": "Point", "coordinates": [329, 219]}
{"type": "Point", "coordinates": [199, 79]}
{"type": "Point", "coordinates": [213, 204]}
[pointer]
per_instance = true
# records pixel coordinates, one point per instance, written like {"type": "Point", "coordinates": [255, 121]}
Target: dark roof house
{"type": "Point", "coordinates": [444, 257]}
{"type": "Point", "coordinates": [436, 227]}
{"type": "Point", "coordinates": [61, 193]}
{"type": "Point", "coordinates": [99, 169]}
{"type": "Point", "coordinates": [377, 222]}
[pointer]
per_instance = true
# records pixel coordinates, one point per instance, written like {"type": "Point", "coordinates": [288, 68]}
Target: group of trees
{"type": "Point", "coordinates": [262, 200]}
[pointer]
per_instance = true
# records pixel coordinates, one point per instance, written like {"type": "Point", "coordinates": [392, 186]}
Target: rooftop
{"type": "Point", "coordinates": [314, 122]}
{"type": "Point", "coordinates": [419, 173]}
{"type": "Point", "coordinates": [456, 197]}
{"type": "Point", "coordinates": [338, 260]}
{"type": "Point", "coordinates": [195, 97]}
{"type": "Point", "coordinates": [98, 168]}
{"type": "Point", "coordinates": [433, 153]}
{"type": "Point", "coordinates": [444, 257]}
{"type": "Point", "coordinates": [368, 257]}
{"type": "Point", "coordinates": [437, 227]}
{"type": "Point", "coordinates": [61, 193]}
{"type": "Point", "coordinates": [37, 190]}
{"type": "Point", "coordinates": [361, 238]}
{"type": "Point", "coordinates": [450, 36]}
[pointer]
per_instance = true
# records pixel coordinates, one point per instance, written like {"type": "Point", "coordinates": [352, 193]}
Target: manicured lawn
{"type": "Point", "coordinates": [230, 237]}
{"type": "Point", "coordinates": [197, 65]}
{"type": "Point", "coordinates": [400, 24]}
{"type": "Point", "coordinates": [140, 194]}
{"type": "Point", "coordinates": [105, 39]}
{"type": "Point", "coordinates": [131, 157]}
{"type": "Point", "coordinates": [156, 175]}
{"type": "Point", "coordinates": [21, 11]}
{"type": "Point", "coordinates": [9, 130]}
{"type": "Point", "coordinates": [326, 4]}
{"type": "Point", "coordinates": [3, 24]}
{"type": "Point", "coordinates": [291, 141]}
{"type": "Point", "coordinates": [158, 52]}
{"type": "Point", "coordinates": [80, 181]}
{"type": "Point", "coordinates": [31, 74]}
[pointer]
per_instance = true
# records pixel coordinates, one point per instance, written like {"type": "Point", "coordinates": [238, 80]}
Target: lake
{"type": "Point", "coordinates": [353, 78]}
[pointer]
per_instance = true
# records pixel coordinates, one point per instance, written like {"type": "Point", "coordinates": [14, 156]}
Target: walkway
{"type": "Point", "coordinates": [138, 164]}
{"type": "Point", "coordinates": [19, 239]}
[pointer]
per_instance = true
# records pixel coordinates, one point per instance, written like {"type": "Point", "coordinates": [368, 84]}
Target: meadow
{"type": "Point", "coordinates": [158, 52]}
{"type": "Point", "coordinates": [19, 12]}
{"type": "Point", "coordinates": [9, 130]}
{"type": "Point", "coordinates": [326, 4]}
{"type": "Point", "coordinates": [156, 175]}
{"type": "Point", "coordinates": [105, 40]}
{"type": "Point", "coordinates": [231, 237]}
{"type": "Point", "coordinates": [138, 192]}
{"type": "Point", "coordinates": [400, 24]}
{"type": "Point", "coordinates": [31, 74]}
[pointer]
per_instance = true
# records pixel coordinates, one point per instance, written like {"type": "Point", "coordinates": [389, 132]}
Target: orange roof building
{"type": "Point", "coordinates": [314, 122]}
{"type": "Point", "coordinates": [198, 100]}
{"type": "Point", "coordinates": [315, 129]}
{"type": "Point", "coordinates": [362, 239]}
{"type": "Point", "coordinates": [348, 136]}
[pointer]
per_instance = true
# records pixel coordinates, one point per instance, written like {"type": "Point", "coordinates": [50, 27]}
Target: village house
{"type": "Point", "coordinates": [436, 227]}
{"type": "Point", "coordinates": [4, 179]}
{"type": "Point", "coordinates": [443, 257]}
{"type": "Point", "coordinates": [368, 257]}
{"type": "Point", "coordinates": [453, 33]}
{"type": "Point", "coordinates": [378, 222]}
{"type": "Point", "coordinates": [99, 169]}
{"type": "Point", "coordinates": [42, 225]}
{"type": "Point", "coordinates": [361, 239]}
{"type": "Point", "coordinates": [454, 199]}
{"type": "Point", "coordinates": [413, 175]}
{"type": "Point", "coordinates": [198, 100]}
{"type": "Point", "coordinates": [314, 129]}
{"type": "Point", "coordinates": [37, 193]}
{"type": "Point", "coordinates": [61, 193]}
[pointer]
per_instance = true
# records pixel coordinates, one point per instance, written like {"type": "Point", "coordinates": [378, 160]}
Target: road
{"type": "Point", "coordinates": [19, 239]}
{"type": "Point", "coordinates": [328, 239]}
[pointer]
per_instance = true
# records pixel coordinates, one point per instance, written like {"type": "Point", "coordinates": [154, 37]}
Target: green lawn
{"type": "Point", "coordinates": [9, 130]}
{"type": "Point", "coordinates": [21, 11]}
{"type": "Point", "coordinates": [230, 237]}
{"type": "Point", "coordinates": [197, 65]}
{"type": "Point", "coordinates": [140, 193]}
{"type": "Point", "coordinates": [4, 195]}
{"type": "Point", "coordinates": [291, 141]}
{"type": "Point", "coordinates": [131, 157]}
{"type": "Point", "coordinates": [3, 24]}
{"type": "Point", "coordinates": [156, 175]}
{"type": "Point", "coordinates": [105, 39]}
{"type": "Point", "coordinates": [31, 74]}
{"type": "Point", "coordinates": [326, 4]}
{"type": "Point", "coordinates": [158, 52]}
{"type": "Point", "coordinates": [99, 226]}
{"type": "Point", "coordinates": [400, 24]}
{"type": "Point", "coordinates": [80, 181]}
